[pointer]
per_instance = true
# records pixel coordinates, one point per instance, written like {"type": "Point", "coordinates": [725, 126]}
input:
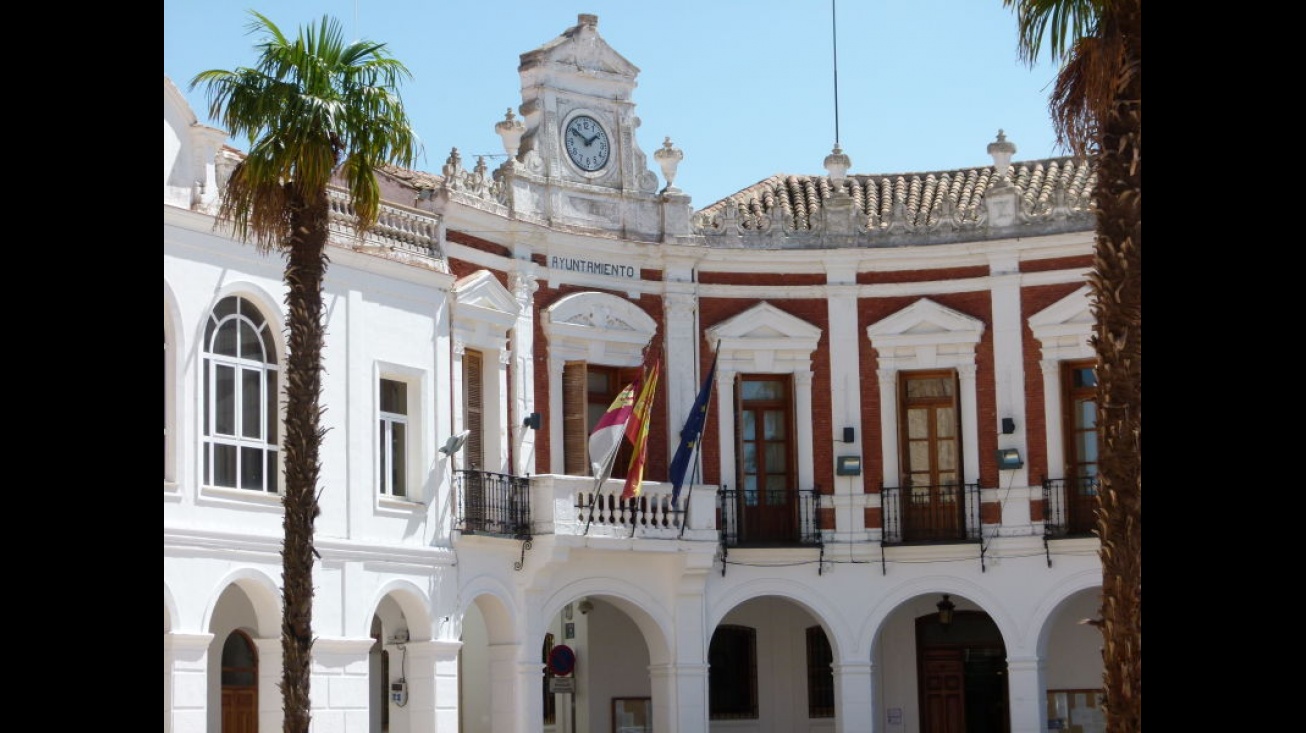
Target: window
{"type": "Point", "coordinates": [550, 700]}
{"type": "Point", "coordinates": [732, 673]}
{"type": "Point", "coordinates": [768, 492]}
{"type": "Point", "coordinates": [393, 434]}
{"type": "Point", "coordinates": [588, 392]}
{"type": "Point", "coordinates": [240, 398]}
{"type": "Point", "coordinates": [820, 674]}
{"type": "Point", "coordinates": [931, 455]}
{"type": "Point", "coordinates": [473, 409]}
{"type": "Point", "coordinates": [1079, 387]}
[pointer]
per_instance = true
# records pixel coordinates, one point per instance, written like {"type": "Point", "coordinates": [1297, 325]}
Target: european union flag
{"type": "Point", "coordinates": [689, 434]}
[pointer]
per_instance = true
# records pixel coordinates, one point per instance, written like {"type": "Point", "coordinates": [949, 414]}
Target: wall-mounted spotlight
{"type": "Point", "coordinates": [532, 421]}
{"type": "Point", "coordinates": [455, 443]}
{"type": "Point", "coordinates": [1009, 459]}
{"type": "Point", "coordinates": [848, 466]}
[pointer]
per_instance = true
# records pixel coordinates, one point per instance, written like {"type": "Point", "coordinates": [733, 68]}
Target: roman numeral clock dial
{"type": "Point", "coordinates": [587, 143]}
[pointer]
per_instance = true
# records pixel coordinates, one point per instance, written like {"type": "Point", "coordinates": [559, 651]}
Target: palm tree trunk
{"type": "Point", "coordinates": [1117, 282]}
{"type": "Point", "coordinates": [305, 270]}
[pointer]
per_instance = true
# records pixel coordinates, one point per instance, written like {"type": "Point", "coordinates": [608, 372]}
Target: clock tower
{"type": "Point", "coordinates": [578, 164]}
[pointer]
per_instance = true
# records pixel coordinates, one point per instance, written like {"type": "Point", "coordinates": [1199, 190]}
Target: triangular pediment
{"type": "Point", "coordinates": [579, 52]}
{"type": "Point", "coordinates": [1065, 327]}
{"type": "Point", "coordinates": [765, 322]}
{"type": "Point", "coordinates": [926, 321]}
{"type": "Point", "coordinates": [482, 290]}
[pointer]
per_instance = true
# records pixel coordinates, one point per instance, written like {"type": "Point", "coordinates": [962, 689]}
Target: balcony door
{"type": "Point", "coordinates": [768, 497]}
{"type": "Point", "coordinates": [933, 496]}
{"type": "Point", "coordinates": [1079, 387]}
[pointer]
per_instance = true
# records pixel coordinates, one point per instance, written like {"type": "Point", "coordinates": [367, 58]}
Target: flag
{"type": "Point", "coordinates": [637, 430]}
{"type": "Point", "coordinates": [608, 433]}
{"type": "Point", "coordinates": [689, 434]}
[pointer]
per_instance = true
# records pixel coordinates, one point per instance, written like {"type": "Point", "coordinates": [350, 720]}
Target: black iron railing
{"type": "Point", "coordinates": [493, 503]}
{"type": "Point", "coordinates": [1070, 505]}
{"type": "Point", "coordinates": [947, 513]}
{"type": "Point", "coordinates": [782, 520]}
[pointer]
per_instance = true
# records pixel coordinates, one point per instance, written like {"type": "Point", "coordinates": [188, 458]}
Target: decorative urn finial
{"type": "Point", "coordinates": [1001, 150]}
{"type": "Point", "coordinates": [837, 165]}
{"type": "Point", "coordinates": [669, 158]}
{"type": "Point", "coordinates": [511, 130]}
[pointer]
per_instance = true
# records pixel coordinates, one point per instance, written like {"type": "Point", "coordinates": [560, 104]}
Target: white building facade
{"type": "Point", "coordinates": [888, 520]}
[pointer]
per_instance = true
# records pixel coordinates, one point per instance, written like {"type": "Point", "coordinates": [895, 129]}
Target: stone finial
{"type": "Point", "coordinates": [669, 158]}
{"type": "Point", "coordinates": [837, 165]}
{"type": "Point", "coordinates": [1001, 150]}
{"type": "Point", "coordinates": [511, 130]}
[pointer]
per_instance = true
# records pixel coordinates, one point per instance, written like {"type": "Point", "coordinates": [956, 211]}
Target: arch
{"type": "Point", "coordinates": [494, 600]}
{"type": "Point", "coordinates": [653, 620]}
{"type": "Point", "coordinates": [843, 638]}
{"type": "Point", "coordinates": [597, 327]}
{"type": "Point", "coordinates": [263, 594]}
{"type": "Point", "coordinates": [173, 348]}
{"type": "Point", "coordinates": [412, 604]}
{"type": "Point", "coordinates": [936, 585]}
{"type": "Point", "coordinates": [170, 617]}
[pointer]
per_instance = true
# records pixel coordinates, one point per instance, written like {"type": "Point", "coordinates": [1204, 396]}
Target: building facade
{"type": "Point", "coordinates": [886, 523]}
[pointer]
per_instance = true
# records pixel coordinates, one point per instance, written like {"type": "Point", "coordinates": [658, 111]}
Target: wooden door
{"type": "Point", "coordinates": [768, 496]}
{"type": "Point", "coordinates": [934, 502]}
{"type": "Point", "coordinates": [239, 684]}
{"type": "Point", "coordinates": [943, 695]}
{"type": "Point", "coordinates": [239, 709]}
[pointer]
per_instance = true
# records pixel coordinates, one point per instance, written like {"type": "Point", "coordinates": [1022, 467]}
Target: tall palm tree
{"type": "Point", "coordinates": [1097, 107]}
{"type": "Point", "coordinates": [314, 109]}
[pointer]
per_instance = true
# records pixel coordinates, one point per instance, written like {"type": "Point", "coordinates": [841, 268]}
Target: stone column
{"type": "Point", "coordinates": [522, 346]}
{"type": "Point", "coordinates": [854, 685]}
{"type": "Point", "coordinates": [341, 686]}
{"type": "Point", "coordinates": [270, 713]}
{"type": "Point", "coordinates": [186, 687]}
{"type": "Point", "coordinates": [1026, 694]}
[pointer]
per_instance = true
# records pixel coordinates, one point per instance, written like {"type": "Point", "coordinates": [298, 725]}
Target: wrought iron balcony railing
{"type": "Point", "coordinates": [918, 514]}
{"type": "Point", "coordinates": [493, 504]}
{"type": "Point", "coordinates": [770, 519]}
{"type": "Point", "coordinates": [1070, 505]}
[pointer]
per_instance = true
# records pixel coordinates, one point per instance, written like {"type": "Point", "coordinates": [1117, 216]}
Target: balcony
{"type": "Point", "coordinates": [1071, 506]}
{"type": "Point", "coordinates": [493, 504]}
{"type": "Point", "coordinates": [522, 508]}
{"type": "Point", "coordinates": [930, 514]}
{"type": "Point", "coordinates": [770, 519]}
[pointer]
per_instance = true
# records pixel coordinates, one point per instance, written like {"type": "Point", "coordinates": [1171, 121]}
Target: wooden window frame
{"type": "Point", "coordinates": [905, 405]}
{"type": "Point", "coordinates": [741, 672]}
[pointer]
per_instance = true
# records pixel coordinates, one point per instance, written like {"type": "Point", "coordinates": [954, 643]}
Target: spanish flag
{"type": "Point", "coordinates": [637, 428]}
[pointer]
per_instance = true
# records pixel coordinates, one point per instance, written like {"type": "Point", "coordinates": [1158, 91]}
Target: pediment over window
{"type": "Point", "coordinates": [765, 338]}
{"type": "Point", "coordinates": [1065, 327]}
{"type": "Point", "coordinates": [484, 310]}
{"type": "Point", "coordinates": [598, 327]}
{"type": "Point", "coordinates": [926, 335]}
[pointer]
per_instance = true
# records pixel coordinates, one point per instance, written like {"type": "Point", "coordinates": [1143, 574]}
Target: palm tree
{"type": "Point", "coordinates": [1097, 107]}
{"type": "Point", "coordinates": [315, 109]}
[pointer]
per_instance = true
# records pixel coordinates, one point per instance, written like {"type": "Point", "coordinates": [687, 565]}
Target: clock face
{"type": "Point", "coordinates": [587, 143]}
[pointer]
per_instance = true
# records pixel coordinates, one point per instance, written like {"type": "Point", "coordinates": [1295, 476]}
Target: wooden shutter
{"type": "Point", "coordinates": [472, 409]}
{"type": "Point", "coordinates": [574, 427]}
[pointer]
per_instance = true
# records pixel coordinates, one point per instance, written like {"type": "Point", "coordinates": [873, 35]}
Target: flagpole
{"type": "Point", "coordinates": [598, 482]}
{"type": "Point", "coordinates": [698, 442]}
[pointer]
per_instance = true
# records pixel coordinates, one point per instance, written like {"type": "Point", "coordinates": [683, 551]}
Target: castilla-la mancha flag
{"type": "Point", "coordinates": [637, 428]}
{"type": "Point", "coordinates": [610, 430]}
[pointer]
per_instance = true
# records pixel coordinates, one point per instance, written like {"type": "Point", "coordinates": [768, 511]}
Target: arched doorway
{"type": "Point", "coordinates": [962, 666]}
{"type": "Point", "coordinates": [239, 684]}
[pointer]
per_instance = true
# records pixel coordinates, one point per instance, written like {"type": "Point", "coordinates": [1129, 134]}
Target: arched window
{"type": "Point", "coordinates": [240, 398]}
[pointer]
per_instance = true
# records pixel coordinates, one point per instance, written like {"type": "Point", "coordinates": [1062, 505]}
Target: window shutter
{"type": "Point", "coordinates": [472, 402]}
{"type": "Point", "coordinates": [574, 427]}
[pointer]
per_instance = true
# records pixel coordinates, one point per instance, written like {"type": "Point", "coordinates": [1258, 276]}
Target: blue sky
{"type": "Point", "coordinates": [745, 88]}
